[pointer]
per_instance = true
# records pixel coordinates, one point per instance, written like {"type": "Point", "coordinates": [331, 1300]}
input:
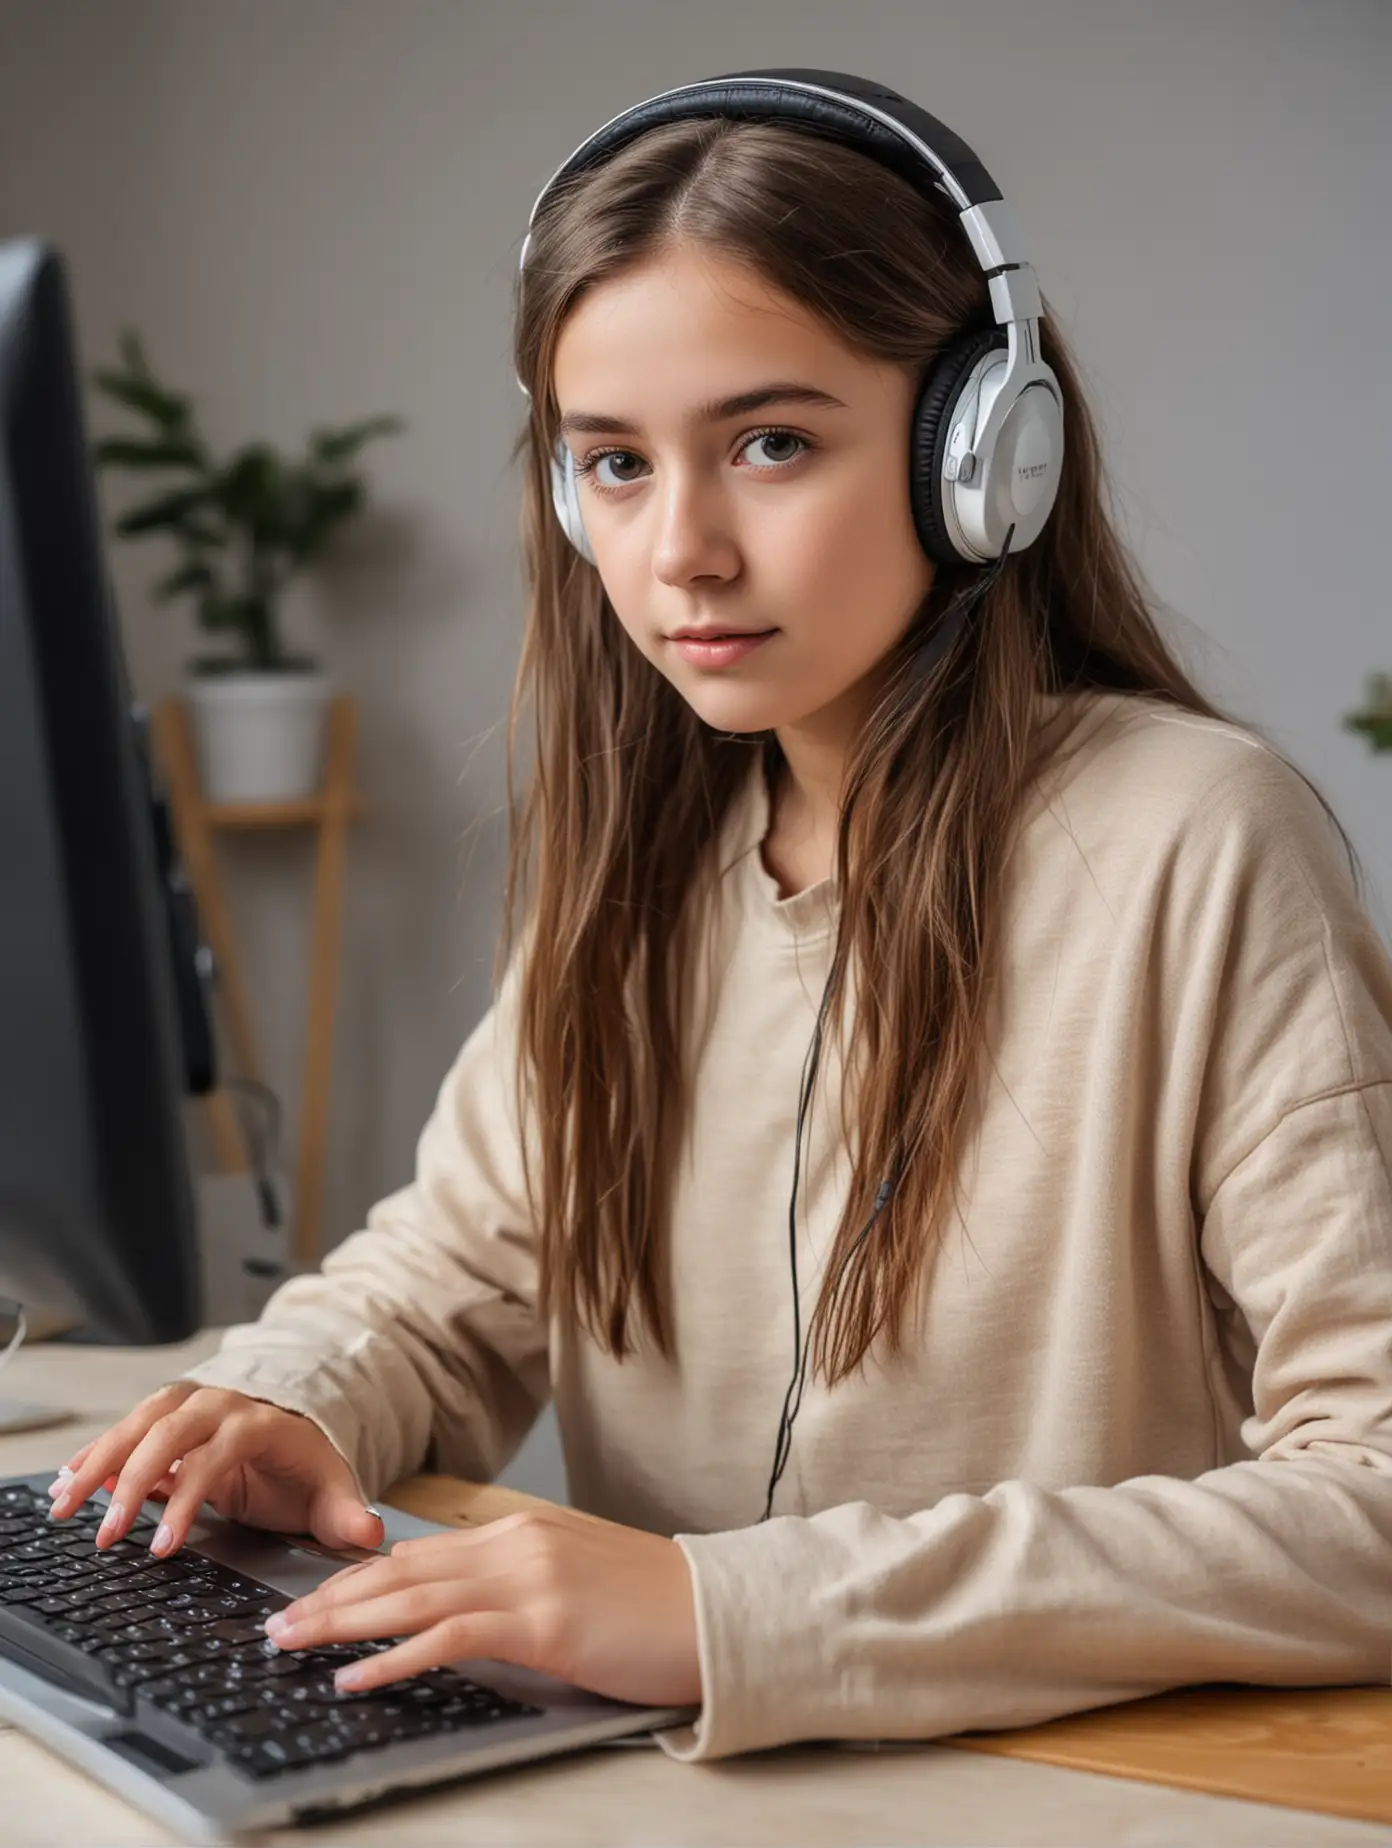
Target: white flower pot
{"type": "Point", "coordinates": [260, 736]}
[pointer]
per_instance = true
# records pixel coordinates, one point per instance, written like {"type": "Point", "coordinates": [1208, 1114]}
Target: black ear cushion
{"type": "Point", "coordinates": [928, 438]}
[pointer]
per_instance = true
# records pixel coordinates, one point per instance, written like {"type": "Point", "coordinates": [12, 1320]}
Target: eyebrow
{"type": "Point", "coordinates": [715, 410]}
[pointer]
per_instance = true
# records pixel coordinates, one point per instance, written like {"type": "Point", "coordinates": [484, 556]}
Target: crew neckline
{"type": "Point", "coordinates": [804, 917]}
{"type": "Point", "coordinates": [807, 918]}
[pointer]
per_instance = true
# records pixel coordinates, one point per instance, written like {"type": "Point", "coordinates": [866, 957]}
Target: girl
{"type": "Point", "coordinates": [1092, 1213]}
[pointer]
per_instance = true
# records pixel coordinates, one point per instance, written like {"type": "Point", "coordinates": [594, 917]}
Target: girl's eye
{"type": "Point", "coordinates": [624, 457]}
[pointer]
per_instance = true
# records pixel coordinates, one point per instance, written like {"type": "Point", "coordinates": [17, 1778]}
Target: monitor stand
{"type": "Point", "coordinates": [29, 1414]}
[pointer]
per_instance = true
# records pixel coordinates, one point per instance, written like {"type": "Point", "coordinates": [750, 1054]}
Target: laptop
{"type": "Point", "coordinates": [155, 1677]}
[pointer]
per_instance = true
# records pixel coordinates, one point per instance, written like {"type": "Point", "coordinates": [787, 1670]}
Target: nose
{"type": "Point", "coordinates": [693, 537]}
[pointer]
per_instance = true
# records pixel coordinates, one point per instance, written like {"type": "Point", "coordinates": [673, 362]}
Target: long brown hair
{"type": "Point", "coordinates": [629, 788]}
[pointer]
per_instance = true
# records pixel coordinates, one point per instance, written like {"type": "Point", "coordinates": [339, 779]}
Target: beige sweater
{"type": "Point", "coordinates": [1144, 1436]}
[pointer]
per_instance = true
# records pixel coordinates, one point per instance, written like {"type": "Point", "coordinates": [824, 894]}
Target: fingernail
{"type": "Point", "coordinates": [60, 1481]}
{"type": "Point", "coordinates": [351, 1677]}
{"type": "Point", "coordinates": [115, 1514]}
{"type": "Point", "coordinates": [369, 1509]}
{"type": "Point", "coordinates": [277, 1624]}
{"type": "Point", "coordinates": [62, 1504]}
{"type": "Point", "coordinates": [164, 1538]}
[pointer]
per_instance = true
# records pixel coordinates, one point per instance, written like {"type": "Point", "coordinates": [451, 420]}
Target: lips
{"type": "Point", "coordinates": [712, 651]}
{"type": "Point", "coordinates": [716, 635]}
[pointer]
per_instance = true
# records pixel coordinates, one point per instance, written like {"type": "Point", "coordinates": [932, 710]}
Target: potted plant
{"type": "Point", "coordinates": [245, 527]}
{"type": "Point", "coordinates": [1375, 721]}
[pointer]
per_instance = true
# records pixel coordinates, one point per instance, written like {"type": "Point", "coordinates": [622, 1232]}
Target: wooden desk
{"type": "Point", "coordinates": [820, 1796]}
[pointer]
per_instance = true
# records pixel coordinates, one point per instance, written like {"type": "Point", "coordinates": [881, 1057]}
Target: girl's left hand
{"type": "Point", "coordinates": [609, 1608]}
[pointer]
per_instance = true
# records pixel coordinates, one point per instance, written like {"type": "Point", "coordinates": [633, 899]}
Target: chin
{"type": "Point", "coordinates": [750, 714]}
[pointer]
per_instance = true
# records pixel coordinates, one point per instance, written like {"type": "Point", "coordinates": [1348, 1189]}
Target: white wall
{"type": "Point", "coordinates": [312, 209]}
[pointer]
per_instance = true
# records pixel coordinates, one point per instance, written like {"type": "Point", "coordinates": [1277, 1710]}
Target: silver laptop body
{"type": "Point", "coordinates": [145, 1756]}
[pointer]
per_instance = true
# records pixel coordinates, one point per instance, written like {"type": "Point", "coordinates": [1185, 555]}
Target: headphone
{"type": "Point", "coordinates": [986, 436]}
{"type": "Point", "coordinates": [986, 439]}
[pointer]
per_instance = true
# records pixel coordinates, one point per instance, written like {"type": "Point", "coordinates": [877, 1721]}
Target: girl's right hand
{"type": "Point", "coordinates": [186, 1444]}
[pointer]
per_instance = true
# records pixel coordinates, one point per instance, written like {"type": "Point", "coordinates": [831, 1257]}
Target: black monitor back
{"type": "Point", "coordinates": [97, 1218]}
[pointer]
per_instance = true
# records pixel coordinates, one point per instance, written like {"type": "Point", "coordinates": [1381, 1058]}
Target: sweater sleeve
{"type": "Point", "coordinates": [417, 1342]}
{"type": "Point", "coordinates": [1025, 1603]}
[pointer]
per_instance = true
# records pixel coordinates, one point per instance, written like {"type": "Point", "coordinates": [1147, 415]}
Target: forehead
{"type": "Point", "coordinates": [664, 324]}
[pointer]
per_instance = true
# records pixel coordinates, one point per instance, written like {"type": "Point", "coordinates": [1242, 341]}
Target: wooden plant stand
{"type": "Point", "coordinates": [196, 824]}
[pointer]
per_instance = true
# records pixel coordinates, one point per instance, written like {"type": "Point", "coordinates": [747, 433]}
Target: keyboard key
{"type": "Point", "coordinates": [259, 1723]}
{"type": "Point", "coordinates": [222, 1707]}
{"type": "Point", "coordinates": [362, 1730]}
{"type": "Point", "coordinates": [87, 1640]}
{"type": "Point", "coordinates": [136, 1674]}
{"type": "Point", "coordinates": [169, 1692]}
{"type": "Point", "coordinates": [262, 1759]}
{"type": "Point", "coordinates": [321, 1744]}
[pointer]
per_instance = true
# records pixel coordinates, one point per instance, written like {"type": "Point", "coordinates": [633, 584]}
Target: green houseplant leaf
{"type": "Point", "coordinates": [174, 452]}
{"type": "Point", "coordinates": [1375, 720]}
{"type": "Point", "coordinates": [167, 511]}
{"type": "Point", "coordinates": [195, 575]}
{"type": "Point", "coordinates": [332, 447]}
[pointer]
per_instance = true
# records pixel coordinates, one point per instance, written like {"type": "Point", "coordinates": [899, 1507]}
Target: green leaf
{"type": "Point", "coordinates": [194, 575]}
{"type": "Point", "coordinates": [1377, 727]}
{"type": "Point", "coordinates": [169, 510]}
{"type": "Point", "coordinates": [251, 491]}
{"type": "Point", "coordinates": [134, 354]}
{"type": "Point", "coordinates": [174, 452]}
{"type": "Point", "coordinates": [1375, 721]}
{"type": "Point", "coordinates": [165, 408]}
{"type": "Point", "coordinates": [334, 446]}
{"type": "Point", "coordinates": [327, 508]}
{"type": "Point", "coordinates": [216, 613]}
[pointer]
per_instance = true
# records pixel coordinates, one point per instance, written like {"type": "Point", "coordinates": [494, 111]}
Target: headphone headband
{"type": "Point", "coordinates": [863, 115]}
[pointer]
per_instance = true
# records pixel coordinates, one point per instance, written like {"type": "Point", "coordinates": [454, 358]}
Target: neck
{"type": "Point", "coordinates": [805, 795]}
{"type": "Point", "coordinates": [807, 790]}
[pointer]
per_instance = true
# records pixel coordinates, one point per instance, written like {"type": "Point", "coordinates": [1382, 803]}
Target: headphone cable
{"type": "Point", "coordinates": [925, 662]}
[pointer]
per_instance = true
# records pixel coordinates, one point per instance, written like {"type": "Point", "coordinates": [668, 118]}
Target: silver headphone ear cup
{"type": "Point", "coordinates": [1015, 483]}
{"type": "Point", "coordinates": [565, 498]}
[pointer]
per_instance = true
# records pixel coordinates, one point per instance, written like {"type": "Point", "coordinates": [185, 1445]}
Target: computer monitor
{"type": "Point", "coordinates": [103, 1022]}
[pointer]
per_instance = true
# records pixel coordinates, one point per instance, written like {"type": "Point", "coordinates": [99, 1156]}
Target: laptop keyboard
{"type": "Point", "coordinates": [185, 1634]}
